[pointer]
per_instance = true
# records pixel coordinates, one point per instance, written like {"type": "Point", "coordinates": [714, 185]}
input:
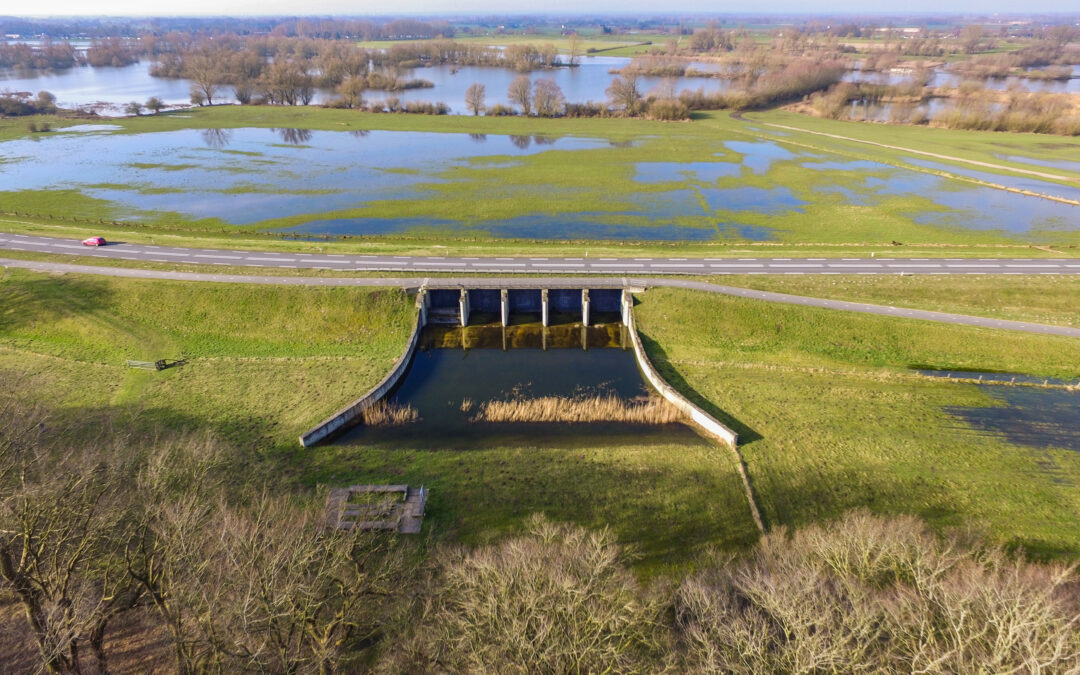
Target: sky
{"type": "Point", "coordinates": [459, 7]}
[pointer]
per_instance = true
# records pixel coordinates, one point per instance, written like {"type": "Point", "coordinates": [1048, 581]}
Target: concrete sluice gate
{"type": "Point", "coordinates": [510, 306]}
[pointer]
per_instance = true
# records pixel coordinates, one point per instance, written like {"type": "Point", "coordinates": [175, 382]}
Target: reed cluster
{"type": "Point", "coordinates": [392, 414]}
{"type": "Point", "coordinates": [580, 409]}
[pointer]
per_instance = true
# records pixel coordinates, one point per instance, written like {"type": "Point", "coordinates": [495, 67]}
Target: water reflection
{"type": "Point", "coordinates": [520, 142]}
{"type": "Point", "coordinates": [479, 138]}
{"type": "Point", "coordinates": [216, 138]}
{"type": "Point", "coordinates": [294, 136]}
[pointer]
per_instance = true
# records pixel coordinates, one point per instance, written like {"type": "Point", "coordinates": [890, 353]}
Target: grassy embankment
{"type": "Point", "coordinates": [599, 180]}
{"type": "Point", "coordinates": [830, 417]}
{"type": "Point", "coordinates": [265, 363]}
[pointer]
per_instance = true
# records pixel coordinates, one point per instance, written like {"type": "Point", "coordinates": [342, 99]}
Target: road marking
{"type": "Point", "coordinates": [795, 265]}
{"type": "Point", "coordinates": [659, 265]}
{"type": "Point", "coordinates": [219, 257]}
{"type": "Point", "coordinates": [270, 259]}
{"type": "Point", "coordinates": [854, 265]}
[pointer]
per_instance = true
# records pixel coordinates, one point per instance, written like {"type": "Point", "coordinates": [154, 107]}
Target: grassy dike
{"type": "Point", "coordinates": [830, 416]}
{"type": "Point", "coordinates": [264, 363]}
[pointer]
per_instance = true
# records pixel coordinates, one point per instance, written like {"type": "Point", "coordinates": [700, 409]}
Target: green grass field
{"type": "Point", "coordinates": [608, 45]}
{"type": "Point", "coordinates": [264, 363]}
{"type": "Point", "coordinates": [831, 417]}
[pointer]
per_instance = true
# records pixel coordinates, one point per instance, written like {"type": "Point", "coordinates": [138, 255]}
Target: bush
{"type": "Point", "coordinates": [877, 594]}
{"type": "Point", "coordinates": [668, 110]}
{"type": "Point", "coordinates": [500, 110]}
{"type": "Point", "coordinates": [590, 109]}
{"type": "Point", "coordinates": [557, 600]}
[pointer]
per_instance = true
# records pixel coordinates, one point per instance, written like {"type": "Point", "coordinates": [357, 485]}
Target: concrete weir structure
{"type": "Point", "coordinates": [450, 305]}
{"type": "Point", "coordinates": [456, 305]}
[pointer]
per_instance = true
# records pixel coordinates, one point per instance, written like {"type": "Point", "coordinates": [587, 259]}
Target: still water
{"type": "Point", "coordinates": [446, 383]}
{"type": "Point", "coordinates": [115, 87]}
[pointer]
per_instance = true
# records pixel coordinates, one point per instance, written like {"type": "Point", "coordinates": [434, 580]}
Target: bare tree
{"type": "Point", "coordinates": [520, 93]}
{"type": "Point", "coordinates": [134, 108]}
{"type": "Point", "coordinates": [575, 49]}
{"type": "Point", "coordinates": [548, 98]}
{"type": "Point", "coordinates": [61, 522]}
{"type": "Point", "coordinates": [352, 91]}
{"type": "Point", "coordinates": [624, 92]}
{"type": "Point", "coordinates": [474, 98]}
{"type": "Point", "coordinates": [205, 72]}
{"type": "Point", "coordinates": [155, 104]}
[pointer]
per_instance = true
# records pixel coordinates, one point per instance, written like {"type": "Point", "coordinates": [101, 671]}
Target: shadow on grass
{"type": "Point", "coordinates": [660, 361]}
{"type": "Point", "coordinates": [656, 492]}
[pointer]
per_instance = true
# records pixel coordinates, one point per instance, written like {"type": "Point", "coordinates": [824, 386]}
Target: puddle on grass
{"type": "Point", "coordinates": [1015, 182]}
{"type": "Point", "coordinates": [537, 226]}
{"type": "Point", "coordinates": [246, 175]}
{"type": "Point", "coordinates": [675, 172]}
{"type": "Point", "coordinates": [88, 128]}
{"type": "Point", "coordinates": [759, 156]}
{"type": "Point", "coordinates": [963, 205]}
{"type": "Point", "coordinates": [762, 200]}
{"type": "Point", "coordinates": [1063, 164]}
{"type": "Point", "coordinates": [1031, 416]}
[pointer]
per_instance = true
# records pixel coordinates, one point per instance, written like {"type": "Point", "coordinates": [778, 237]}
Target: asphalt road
{"type": "Point", "coordinates": [546, 265]}
{"type": "Point", "coordinates": [524, 282]}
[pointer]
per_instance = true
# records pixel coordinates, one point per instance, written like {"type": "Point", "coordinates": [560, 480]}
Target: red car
{"type": "Point", "coordinates": [94, 241]}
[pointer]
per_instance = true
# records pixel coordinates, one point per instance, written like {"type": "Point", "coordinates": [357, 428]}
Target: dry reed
{"type": "Point", "coordinates": [597, 408]}
{"type": "Point", "coordinates": [383, 414]}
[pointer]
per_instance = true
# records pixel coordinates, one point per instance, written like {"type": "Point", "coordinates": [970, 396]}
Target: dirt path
{"type": "Point", "coordinates": [950, 158]}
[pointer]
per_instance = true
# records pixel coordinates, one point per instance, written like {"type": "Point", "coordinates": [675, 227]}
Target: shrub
{"type": "Point", "coordinates": [557, 600]}
{"type": "Point", "coordinates": [870, 593]}
{"type": "Point", "coordinates": [668, 110]}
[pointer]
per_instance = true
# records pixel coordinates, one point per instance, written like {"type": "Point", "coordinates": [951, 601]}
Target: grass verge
{"type": "Point", "coordinates": [830, 419]}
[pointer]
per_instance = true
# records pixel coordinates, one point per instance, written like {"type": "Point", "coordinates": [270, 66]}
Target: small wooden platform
{"type": "Point", "coordinates": [400, 508]}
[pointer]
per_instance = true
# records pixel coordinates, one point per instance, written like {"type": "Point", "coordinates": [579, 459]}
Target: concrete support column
{"type": "Point", "coordinates": [545, 308]}
{"type": "Point", "coordinates": [504, 301]}
{"type": "Point", "coordinates": [625, 305]}
{"type": "Point", "coordinates": [585, 306]}
{"type": "Point", "coordinates": [464, 303]}
{"type": "Point", "coordinates": [422, 303]}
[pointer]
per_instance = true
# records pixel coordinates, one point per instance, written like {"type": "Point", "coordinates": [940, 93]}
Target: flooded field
{"type": "Point", "coordinates": [305, 183]}
{"type": "Point", "coordinates": [116, 86]}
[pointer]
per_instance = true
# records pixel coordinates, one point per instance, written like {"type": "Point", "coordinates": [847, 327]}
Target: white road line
{"type": "Point", "coordinates": [218, 257]}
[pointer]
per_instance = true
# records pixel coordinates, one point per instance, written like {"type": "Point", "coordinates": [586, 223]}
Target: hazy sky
{"type": "Point", "coordinates": [645, 7]}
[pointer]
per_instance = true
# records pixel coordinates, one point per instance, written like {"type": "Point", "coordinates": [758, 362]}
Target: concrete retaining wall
{"type": "Point", "coordinates": [347, 417]}
{"type": "Point", "coordinates": [701, 419]}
